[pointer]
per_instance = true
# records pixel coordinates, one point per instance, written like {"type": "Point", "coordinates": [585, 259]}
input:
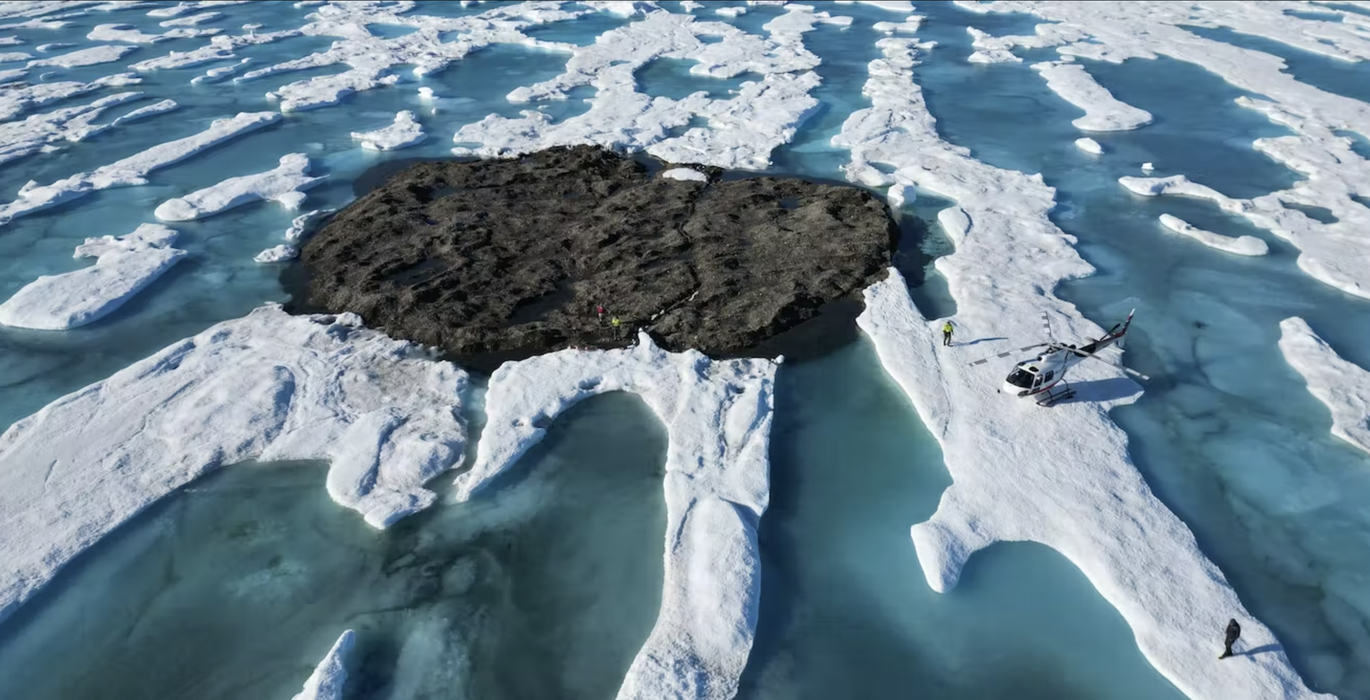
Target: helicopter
{"type": "Point", "coordinates": [1044, 376]}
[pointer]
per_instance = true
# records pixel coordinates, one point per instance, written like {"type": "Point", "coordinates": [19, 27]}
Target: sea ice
{"type": "Point", "coordinates": [1103, 112]}
{"type": "Point", "coordinates": [128, 33]}
{"type": "Point", "coordinates": [1089, 145]}
{"type": "Point", "coordinates": [731, 11]}
{"type": "Point", "coordinates": [12, 56]}
{"type": "Point", "coordinates": [215, 74]}
{"type": "Point", "coordinates": [285, 184]}
{"type": "Point", "coordinates": [1066, 482]}
{"type": "Point", "coordinates": [16, 101]}
{"type": "Point", "coordinates": [1242, 245]}
{"type": "Point", "coordinates": [10, 41]}
{"type": "Point", "coordinates": [134, 169]}
{"type": "Point", "coordinates": [404, 132]}
{"type": "Point", "coordinates": [685, 174]}
{"type": "Point", "coordinates": [124, 266]}
{"type": "Point", "coordinates": [270, 387]}
{"type": "Point", "coordinates": [908, 26]}
{"type": "Point", "coordinates": [38, 131]}
{"type": "Point", "coordinates": [192, 20]}
{"type": "Point", "coordinates": [326, 683]}
{"type": "Point", "coordinates": [219, 48]}
{"type": "Point", "coordinates": [280, 253]}
{"type": "Point", "coordinates": [1147, 167]}
{"type": "Point", "coordinates": [1344, 387]}
{"type": "Point", "coordinates": [717, 416]}
{"type": "Point", "coordinates": [94, 55]}
{"type": "Point", "coordinates": [144, 112]}
{"type": "Point", "coordinates": [300, 224]}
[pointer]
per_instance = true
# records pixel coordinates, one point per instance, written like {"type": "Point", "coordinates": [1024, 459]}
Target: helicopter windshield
{"type": "Point", "coordinates": [1020, 378]}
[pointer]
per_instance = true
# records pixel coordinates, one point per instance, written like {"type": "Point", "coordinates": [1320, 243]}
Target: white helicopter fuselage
{"type": "Point", "coordinates": [1040, 374]}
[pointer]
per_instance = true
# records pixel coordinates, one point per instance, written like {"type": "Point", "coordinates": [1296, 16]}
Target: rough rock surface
{"type": "Point", "coordinates": [509, 258]}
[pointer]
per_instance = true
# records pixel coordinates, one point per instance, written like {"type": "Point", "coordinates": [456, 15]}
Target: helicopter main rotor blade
{"type": "Point", "coordinates": [1006, 353]}
{"type": "Point", "coordinates": [1129, 370]}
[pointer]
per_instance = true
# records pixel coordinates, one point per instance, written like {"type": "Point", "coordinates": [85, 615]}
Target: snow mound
{"type": "Point", "coordinates": [1103, 112]}
{"type": "Point", "coordinates": [685, 174]}
{"type": "Point", "coordinates": [717, 416]}
{"type": "Point", "coordinates": [124, 266]}
{"type": "Point", "coordinates": [1243, 245]}
{"type": "Point", "coordinates": [132, 170]}
{"type": "Point", "coordinates": [1089, 145]}
{"type": "Point", "coordinates": [326, 683]}
{"type": "Point", "coordinates": [269, 387]}
{"type": "Point", "coordinates": [405, 132]}
{"type": "Point", "coordinates": [284, 184]}
{"type": "Point", "coordinates": [280, 253]}
{"type": "Point", "coordinates": [1344, 387]}
{"type": "Point", "coordinates": [1066, 482]}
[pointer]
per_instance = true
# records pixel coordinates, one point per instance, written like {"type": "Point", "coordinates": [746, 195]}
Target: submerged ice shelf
{"type": "Point", "coordinates": [124, 266]}
{"type": "Point", "coordinates": [1100, 513]}
{"type": "Point", "coordinates": [1341, 385]}
{"type": "Point", "coordinates": [269, 386]}
{"type": "Point", "coordinates": [717, 416]}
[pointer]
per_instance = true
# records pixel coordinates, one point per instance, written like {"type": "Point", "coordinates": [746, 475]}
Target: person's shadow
{"type": "Point", "coordinates": [977, 341]}
{"type": "Point", "coordinates": [1258, 650]}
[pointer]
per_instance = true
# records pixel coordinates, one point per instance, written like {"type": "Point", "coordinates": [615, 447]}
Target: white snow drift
{"type": "Point", "coordinates": [124, 266]}
{"type": "Point", "coordinates": [1343, 386]}
{"type": "Point", "coordinates": [269, 386]}
{"type": "Point", "coordinates": [284, 184]}
{"type": "Point", "coordinates": [326, 683]}
{"type": "Point", "coordinates": [404, 132]}
{"type": "Point", "coordinates": [1242, 245]}
{"type": "Point", "coordinates": [1066, 482]}
{"type": "Point", "coordinates": [717, 416]}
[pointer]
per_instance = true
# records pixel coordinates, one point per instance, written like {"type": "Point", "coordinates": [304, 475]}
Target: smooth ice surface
{"type": "Point", "coordinates": [685, 174]}
{"type": "Point", "coordinates": [405, 131]}
{"type": "Point", "coordinates": [326, 683]}
{"type": "Point", "coordinates": [1103, 112]}
{"type": "Point", "coordinates": [124, 266]}
{"type": "Point", "coordinates": [1242, 245]}
{"type": "Point", "coordinates": [285, 184]}
{"type": "Point", "coordinates": [1074, 487]}
{"type": "Point", "coordinates": [717, 416]}
{"type": "Point", "coordinates": [269, 386]}
{"type": "Point", "coordinates": [132, 170]}
{"type": "Point", "coordinates": [1343, 386]}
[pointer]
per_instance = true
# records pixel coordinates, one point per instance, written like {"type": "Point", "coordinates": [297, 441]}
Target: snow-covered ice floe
{"type": "Point", "coordinates": [280, 253]}
{"type": "Point", "coordinates": [132, 170]}
{"type": "Point", "coordinates": [1089, 145]}
{"type": "Point", "coordinates": [285, 184]}
{"type": "Point", "coordinates": [718, 417]}
{"type": "Point", "coordinates": [326, 683]}
{"type": "Point", "coordinates": [269, 386]}
{"type": "Point", "coordinates": [299, 225]}
{"type": "Point", "coordinates": [1242, 245]}
{"type": "Point", "coordinates": [1103, 112]}
{"type": "Point", "coordinates": [685, 174]}
{"type": "Point", "coordinates": [16, 101]}
{"type": "Point", "coordinates": [1338, 253]}
{"type": "Point", "coordinates": [404, 132]}
{"type": "Point", "coordinates": [124, 266]}
{"type": "Point", "coordinates": [1343, 386]}
{"type": "Point", "coordinates": [94, 55]}
{"type": "Point", "coordinates": [1066, 482]}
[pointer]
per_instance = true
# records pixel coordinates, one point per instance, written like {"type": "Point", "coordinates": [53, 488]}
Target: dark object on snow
{"type": "Point", "coordinates": [1234, 631]}
{"type": "Point", "coordinates": [502, 259]}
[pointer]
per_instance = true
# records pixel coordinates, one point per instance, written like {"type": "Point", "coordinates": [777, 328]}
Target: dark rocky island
{"type": "Point", "coordinates": [505, 259]}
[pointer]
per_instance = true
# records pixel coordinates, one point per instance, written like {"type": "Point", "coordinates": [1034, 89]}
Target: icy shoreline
{"type": "Point", "coordinates": [1066, 482]}
{"type": "Point", "coordinates": [1340, 385]}
{"type": "Point", "coordinates": [717, 416]}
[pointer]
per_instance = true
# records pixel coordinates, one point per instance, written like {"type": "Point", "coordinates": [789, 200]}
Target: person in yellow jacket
{"type": "Point", "coordinates": [618, 327]}
{"type": "Point", "coordinates": [946, 333]}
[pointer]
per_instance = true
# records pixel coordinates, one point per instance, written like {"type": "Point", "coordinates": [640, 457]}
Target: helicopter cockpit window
{"type": "Point", "coordinates": [1020, 378]}
{"type": "Point", "coordinates": [1047, 377]}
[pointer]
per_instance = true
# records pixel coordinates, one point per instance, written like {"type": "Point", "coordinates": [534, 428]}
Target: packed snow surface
{"type": "Point", "coordinates": [326, 683]}
{"type": "Point", "coordinates": [1242, 245]}
{"type": "Point", "coordinates": [405, 131]}
{"type": "Point", "coordinates": [269, 387]}
{"type": "Point", "coordinates": [685, 174]}
{"type": "Point", "coordinates": [717, 416]}
{"type": "Point", "coordinates": [285, 184]}
{"type": "Point", "coordinates": [132, 170]}
{"type": "Point", "coordinates": [1064, 478]}
{"type": "Point", "coordinates": [124, 266]}
{"type": "Point", "coordinates": [1103, 112]}
{"type": "Point", "coordinates": [1089, 145]}
{"type": "Point", "coordinates": [1343, 386]}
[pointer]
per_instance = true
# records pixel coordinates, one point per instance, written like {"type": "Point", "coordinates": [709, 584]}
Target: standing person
{"type": "Point", "coordinates": [946, 333]}
{"type": "Point", "coordinates": [618, 327]}
{"type": "Point", "coordinates": [1234, 631]}
{"type": "Point", "coordinates": [599, 314]}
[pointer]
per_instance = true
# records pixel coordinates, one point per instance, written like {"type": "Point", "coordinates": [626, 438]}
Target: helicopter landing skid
{"type": "Point", "coordinates": [1051, 398]}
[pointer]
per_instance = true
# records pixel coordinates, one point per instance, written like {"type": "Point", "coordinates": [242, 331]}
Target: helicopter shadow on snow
{"type": "Point", "coordinates": [1100, 390]}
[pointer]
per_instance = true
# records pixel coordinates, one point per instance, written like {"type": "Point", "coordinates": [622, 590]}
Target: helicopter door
{"type": "Point", "coordinates": [1045, 378]}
